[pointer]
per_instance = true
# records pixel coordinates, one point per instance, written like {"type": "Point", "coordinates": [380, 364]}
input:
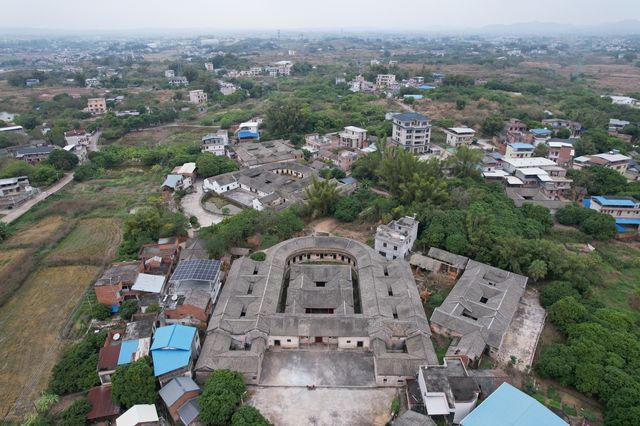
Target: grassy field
{"type": "Point", "coordinates": [36, 233]}
{"type": "Point", "coordinates": [621, 285]}
{"type": "Point", "coordinates": [90, 239]}
{"type": "Point", "coordinates": [7, 257]}
{"type": "Point", "coordinates": [29, 332]}
{"type": "Point", "coordinates": [166, 135]}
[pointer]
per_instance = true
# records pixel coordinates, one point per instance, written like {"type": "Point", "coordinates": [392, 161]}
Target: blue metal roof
{"type": "Point", "coordinates": [174, 336]}
{"type": "Point", "coordinates": [426, 87]}
{"type": "Point", "coordinates": [414, 96]}
{"type": "Point", "coordinates": [586, 202]}
{"type": "Point", "coordinates": [127, 349]}
{"type": "Point", "coordinates": [171, 348]}
{"type": "Point", "coordinates": [617, 202]}
{"type": "Point", "coordinates": [246, 134]}
{"type": "Point", "coordinates": [522, 146]}
{"type": "Point", "coordinates": [508, 406]}
{"type": "Point", "coordinates": [628, 221]}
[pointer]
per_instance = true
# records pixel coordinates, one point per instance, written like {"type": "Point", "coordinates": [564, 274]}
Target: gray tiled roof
{"type": "Point", "coordinates": [177, 387]}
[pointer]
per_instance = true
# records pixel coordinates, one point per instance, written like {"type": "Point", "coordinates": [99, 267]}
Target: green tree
{"type": "Point", "coordinates": [221, 395]}
{"type": "Point", "coordinates": [285, 118]}
{"type": "Point", "coordinates": [76, 369]}
{"type": "Point", "coordinates": [321, 197]}
{"type": "Point", "coordinates": [27, 120]}
{"type": "Point", "coordinates": [600, 226]}
{"type": "Point", "coordinates": [461, 104]}
{"type": "Point", "coordinates": [541, 150]}
{"type": "Point", "coordinates": [86, 172]}
{"type": "Point", "coordinates": [465, 161]}
{"type": "Point", "coordinates": [100, 312]}
{"type": "Point", "coordinates": [75, 415]}
{"type": "Point", "coordinates": [347, 209]}
{"type": "Point", "coordinates": [566, 312]}
{"type": "Point", "coordinates": [422, 189]}
{"type": "Point", "coordinates": [563, 133]}
{"type": "Point", "coordinates": [247, 415]}
{"type": "Point", "coordinates": [128, 308]}
{"type": "Point", "coordinates": [44, 175]}
{"type": "Point", "coordinates": [209, 165]}
{"type": "Point", "coordinates": [492, 125]}
{"type": "Point", "coordinates": [4, 231]}
{"type": "Point", "coordinates": [134, 383]}
{"type": "Point", "coordinates": [555, 291]}
{"type": "Point", "coordinates": [62, 160]}
{"type": "Point", "coordinates": [540, 214]}
{"type": "Point", "coordinates": [537, 270]}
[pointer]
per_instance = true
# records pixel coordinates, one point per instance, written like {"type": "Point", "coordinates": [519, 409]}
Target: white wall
{"type": "Point", "coordinates": [286, 342]}
{"type": "Point", "coordinates": [352, 342]}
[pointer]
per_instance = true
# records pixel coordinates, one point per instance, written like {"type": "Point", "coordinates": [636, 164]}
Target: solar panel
{"type": "Point", "coordinates": [196, 269]}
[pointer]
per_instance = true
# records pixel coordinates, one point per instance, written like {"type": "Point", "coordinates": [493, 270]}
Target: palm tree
{"type": "Point", "coordinates": [465, 161]}
{"type": "Point", "coordinates": [321, 196]}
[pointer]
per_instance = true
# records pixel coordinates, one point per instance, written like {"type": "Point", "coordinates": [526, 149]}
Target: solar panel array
{"type": "Point", "coordinates": [196, 269]}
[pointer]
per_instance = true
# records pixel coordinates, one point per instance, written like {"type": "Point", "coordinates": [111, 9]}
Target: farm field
{"type": "Point", "coordinates": [30, 324]}
{"type": "Point", "coordinates": [89, 239]}
{"type": "Point", "coordinates": [37, 232]}
{"type": "Point", "coordinates": [7, 257]}
{"type": "Point", "coordinates": [166, 135]}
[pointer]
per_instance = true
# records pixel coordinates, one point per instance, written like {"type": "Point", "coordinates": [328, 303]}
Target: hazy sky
{"type": "Point", "coordinates": [310, 14]}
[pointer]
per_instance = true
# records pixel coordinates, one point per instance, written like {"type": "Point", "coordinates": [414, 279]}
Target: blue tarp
{"type": "Point", "coordinates": [127, 349]}
{"type": "Point", "coordinates": [245, 134]}
{"type": "Point", "coordinates": [586, 202]}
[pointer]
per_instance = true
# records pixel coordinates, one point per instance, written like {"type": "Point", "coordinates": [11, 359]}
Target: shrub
{"type": "Point", "coordinates": [220, 397]}
{"type": "Point", "coordinates": [134, 383]}
{"type": "Point", "coordinates": [128, 308]}
{"type": "Point", "coordinates": [100, 312]}
{"type": "Point", "coordinates": [258, 256]}
{"type": "Point", "coordinates": [248, 416]}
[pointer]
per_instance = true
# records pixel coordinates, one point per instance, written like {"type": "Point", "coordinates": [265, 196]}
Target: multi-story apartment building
{"type": "Point", "coordinates": [395, 239]}
{"type": "Point", "coordinates": [457, 136]}
{"type": "Point", "coordinates": [412, 132]}
{"type": "Point", "coordinates": [197, 97]}
{"type": "Point", "coordinates": [353, 137]}
{"type": "Point", "coordinates": [97, 105]}
{"type": "Point", "coordinates": [15, 191]}
{"type": "Point", "coordinates": [216, 143]}
{"type": "Point", "coordinates": [561, 151]}
{"type": "Point", "coordinates": [384, 80]}
{"type": "Point", "coordinates": [519, 150]}
{"type": "Point", "coordinates": [611, 160]}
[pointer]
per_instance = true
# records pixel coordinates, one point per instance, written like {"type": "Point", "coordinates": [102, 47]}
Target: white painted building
{"type": "Point", "coordinates": [457, 136]}
{"type": "Point", "coordinates": [384, 80]}
{"type": "Point", "coordinates": [412, 132]}
{"type": "Point", "coordinates": [216, 143]}
{"type": "Point", "coordinates": [395, 239]}
{"type": "Point", "coordinates": [198, 97]}
{"type": "Point", "coordinates": [353, 137]}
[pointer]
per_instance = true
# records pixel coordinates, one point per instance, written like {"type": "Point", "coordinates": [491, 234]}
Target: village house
{"type": "Point", "coordinates": [198, 97]}
{"type": "Point", "coordinates": [196, 274]}
{"type": "Point", "coordinates": [440, 262]}
{"type": "Point", "coordinates": [346, 159]}
{"type": "Point", "coordinates": [208, 66]}
{"type": "Point", "coordinates": [478, 310]}
{"type": "Point", "coordinates": [227, 88]}
{"type": "Point", "coordinates": [625, 210]}
{"type": "Point", "coordinates": [508, 406]}
{"type": "Point", "coordinates": [557, 123]}
{"type": "Point", "coordinates": [92, 82]}
{"type": "Point", "coordinates": [457, 136]}
{"type": "Point", "coordinates": [411, 132]}
{"type": "Point", "coordinates": [248, 131]}
{"type": "Point", "coordinates": [447, 390]}
{"type": "Point", "coordinates": [188, 173]}
{"type": "Point", "coordinates": [615, 125]}
{"type": "Point", "coordinates": [30, 82]}
{"type": "Point", "coordinates": [194, 248]}
{"type": "Point", "coordinates": [539, 135]}
{"type": "Point", "coordinates": [108, 356]}
{"type": "Point", "coordinates": [395, 239]}
{"type": "Point", "coordinates": [561, 151]}
{"type": "Point", "coordinates": [15, 191]}
{"type": "Point", "coordinates": [103, 409]}
{"type": "Point", "coordinates": [174, 350]}
{"type": "Point", "coordinates": [275, 185]}
{"type": "Point", "coordinates": [193, 308]}
{"type": "Point", "coordinates": [325, 142]}
{"type": "Point", "coordinates": [302, 296]}
{"type": "Point", "coordinates": [611, 160]}
{"type": "Point", "coordinates": [176, 394]}
{"type": "Point", "coordinates": [353, 137]}
{"type": "Point", "coordinates": [115, 283]}
{"type": "Point", "coordinates": [252, 155]}
{"type": "Point", "coordinates": [97, 105]}
{"type": "Point", "coordinates": [519, 150]}
{"type": "Point", "coordinates": [216, 143]}
{"type": "Point", "coordinates": [34, 154]}
{"type": "Point", "coordinates": [140, 415]}
{"type": "Point", "coordinates": [177, 81]}
{"type": "Point", "coordinates": [169, 73]}
{"type": "Point", "coordinates": [76, 136]}
{"type": "Point", "coordinates": [159, 259]}
{"type": "Point", "coordinates": [534, 172]}
{"type": "Point", "coordinates": [515, 125]}
{"type": "Point", "coordinates": [384, 80]}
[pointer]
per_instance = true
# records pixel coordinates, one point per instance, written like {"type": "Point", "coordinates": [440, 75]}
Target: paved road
{"type": "Point", "coordinates": [192, 207]}
{"type": "Point", "coordinates": [15, 213]}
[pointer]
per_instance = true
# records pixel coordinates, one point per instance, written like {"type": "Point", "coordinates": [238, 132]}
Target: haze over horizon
{"type": "Point", "coordinates": [411, 15]}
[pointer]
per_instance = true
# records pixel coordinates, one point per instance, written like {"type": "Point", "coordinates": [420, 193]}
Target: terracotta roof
{"type": "Point", "coordinates": [102, 405]}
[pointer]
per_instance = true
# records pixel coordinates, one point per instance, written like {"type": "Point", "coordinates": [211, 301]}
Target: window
{"type": "Point", "coordinates": [467, 314]}
{"type": "Point", "coordinates": [395, 248]}
{"type": "Point", "coordinates": [395, 313]}
{"type": "Point", "coordinates": [384, 244]}
{"type": "Point", "coordinates": [276, 343]}
{"type": "Point", "coordinates": [321, 283]}
{"type": "Point", "coordinates": [389, 290]}
{"type": "Point", "coordinates": [348, 341]}
{"type": "Point", "coordinates": [250, 289]}
{"type": "Point", "coordinates": [360, 344]}
{"type": "Point", "coordinates": [318, 311]}
{"type": "Point", "coordinates": [255, 270]}
{"type": "Point", "coordinates": [483, 299]}
{"type": "Point", "coordinates": [243, 313]}
{"type": "Point", "coordinates": [288, 340]}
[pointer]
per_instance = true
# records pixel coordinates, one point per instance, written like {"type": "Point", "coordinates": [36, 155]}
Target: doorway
{"type": "Point", "coordinates": [318, 339]}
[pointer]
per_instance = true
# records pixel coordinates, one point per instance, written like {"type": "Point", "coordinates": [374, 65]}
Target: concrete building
{"type": "Point", "coordinates": [519, 150]}
{"type": "Point", "coordinates": [457, 136]}
{"type": "Point", "coordinates": [616, 125]}
{"type": "Point", "coordinates": [256, 154]}
{"type": "Point", "coordinates": [411, 132]}
{"type": "Point", "coordinates": [34, 154]}
{"type": "Point", "coordinates": [177, 81]}
{"type": "Point", "coordinates": [353, 137]}
{"type": "Point", "coordinates": [216, 143]}
{"type": "Point", "coordinates": [385, 80]}
{"type": "Point", "coordinates": [395, 239]}
{"type": "Point", "coordinates": [295, 300]}
{"type": "Point", "coordinates": [534, 173]}
{"type": "Point", "coordinates": [227, 88]}
{"type": "Point", "coordinates": [208, 66]}
{"type": "Point", "coordinates": [97, 105]}
{"type": "Point", "coordinates": [610, 160]}
{"type": "Point", "coordinates": [248, 131]}
{"type": "Point", "coordinates": [561, 151]}
{"type": "Point", "coordinates": [447, 390]}
{"type": "Point", "coordinates": [92, 82]}
{"type": "Point", "coordinates": [284, 67]}
{"type": "Point", "coordinates": [198, 97]}
{"type": "Point", "coordinates": [169, 73]}
{"type": "Point", "coordinates": [625, 211]}
{"type": "Point", "coordinates": [15, 191]}
{"type": "Point", "coordinates": [478, 310]}
{"type": "Point", "coordinates": [270, 186]}
{"type": "Point", "coordinates": [557, 123]}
